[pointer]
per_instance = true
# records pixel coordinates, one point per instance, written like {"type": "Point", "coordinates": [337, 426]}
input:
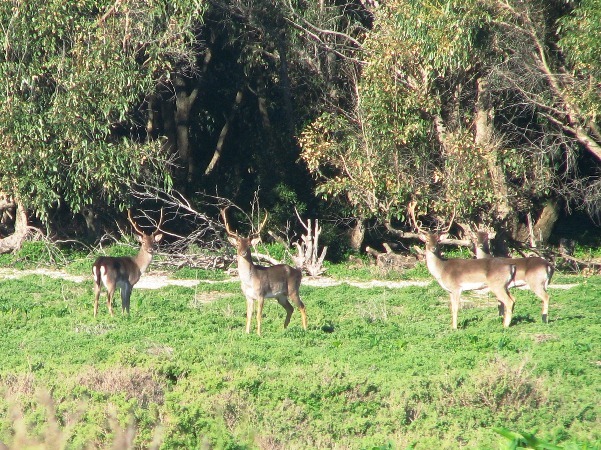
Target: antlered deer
{"type": "Point", "coordinates": [533, 272]}
{"type": "Point", "coordinates": [458, 275]}
{"type": "Point", "coordinates": [123, 272]}
{"type": "Point", "coordinates": [280, 281]}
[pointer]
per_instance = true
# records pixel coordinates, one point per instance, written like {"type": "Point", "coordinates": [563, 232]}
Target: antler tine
{"type": "Point", "coordinates": [258, 232]}
{"type": "Point", "coordinates": [416, 223]}
{"type": "Point", "coordinates": [227, 226]}
{"type": "Point", "coordinates": [131, 220]}
{"type": "Point", "coordinates": [160, 221]}
{"type": "Point", "coordinates": [451, 222]}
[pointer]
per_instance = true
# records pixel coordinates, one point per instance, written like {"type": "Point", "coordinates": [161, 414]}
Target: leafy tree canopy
{"type": "Point", "coordinates": [472, 108]}
{"type": "Point", "coordinates": [72, 76]}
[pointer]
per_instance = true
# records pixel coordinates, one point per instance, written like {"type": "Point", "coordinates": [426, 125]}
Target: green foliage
{"type": "Point", "coordinates": [181, 368]}
{"type": "Point", "coordinates": [33, 252]}
{"type": "Point", "coordinates": [525, 440]}
{"type": "Point", "coordinates": [580, 34]}
{"type": "Point", "coordinates": [427, 122]}
{"type": "Point", "coordinates": [73, 75]}
{"type": "Point", "coordinates": [385, 154]}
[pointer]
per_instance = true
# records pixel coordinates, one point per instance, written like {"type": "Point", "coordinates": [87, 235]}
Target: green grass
{"type": "Point", "coordinates": [377, 368]}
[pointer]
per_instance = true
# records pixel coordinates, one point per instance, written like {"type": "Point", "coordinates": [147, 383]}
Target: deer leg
{"type": "Point", "coordinates": [109, 299]}
{"type": "Point", "coordinates": [303, 317]}
{"type": "Point", "coordinates": [544, 296]}
{"type": "Point", "coordinates": [283, 300]}
{"type": "Point", "coordinates": [501, 308]}
{"type": "Point", "coordinates": [260, 301]}
{"type": "Point", "coordinates": [250, 306]}
{"type": "Point", "coordinates": [97, 289]}
{"type": "Point", "coordinates": [125, 296]}
{"type": "Point", "coordinates": [509, 302]}
{"type": "Point", "coordinates": [455, 299]}
{"type": "Point", "coordinates": [301, 307]}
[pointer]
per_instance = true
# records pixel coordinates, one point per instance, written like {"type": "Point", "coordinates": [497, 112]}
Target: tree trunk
{"type": "Point", "coordinates": [183, 105]}
{"type": "Point", "coordinates": [485, 140]}
{"type": "Point", "coordinates": [285, 85]}
{"type": "Point", "coordinates": [226, 127]}
{"type": "Point", "coordinates": [540, 231]}
{"type": "Point", "coordinates": [168, 119]}
{"type": "Point", "coordinates": [357, 234]}
{"type": "Point", "coordinates": [13, 242]}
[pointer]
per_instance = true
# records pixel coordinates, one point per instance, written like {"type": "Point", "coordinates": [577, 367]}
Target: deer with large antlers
{"type": "Point", "coordinates": [280, 281]}
{"type": "Point", "coordinates": [458, 275]}
{"type": "Point", "coordinates": [123, 272]}
{"type": "Point", "coordinates": [532, 272]}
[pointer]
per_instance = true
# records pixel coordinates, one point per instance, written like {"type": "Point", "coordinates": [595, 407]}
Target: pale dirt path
{"type": "Point", "coordinates": [157, 280]}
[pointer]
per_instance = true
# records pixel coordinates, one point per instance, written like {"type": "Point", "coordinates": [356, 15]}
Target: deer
{"type": "Point", "coordinates": [279, 281]}
{"type": "Point", "coordinates": [123, 272]}
{"type": "Point", "coordinates": [457, 275]}
{"type": "Point", "coordinates": [532, 272]}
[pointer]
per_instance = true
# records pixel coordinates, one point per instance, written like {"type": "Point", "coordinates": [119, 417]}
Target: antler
{"type": "Point", "coordinates": [131, 220]}
{"type": "Point", "coordinates": [137, 229]}
{"type": "Point", "coordinates": [160, 221]}
{"type": "Point", "coordinates": [416, 223]}
{"type": "Point", "coordinates": [258, 232]}
{"type": "Point", "coordinates": [227, 226]}
{"type": "Point", "coordinates": [451, 222]}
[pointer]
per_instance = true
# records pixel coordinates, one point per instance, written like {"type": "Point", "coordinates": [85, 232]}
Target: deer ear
{"type": "Point", "coordinates": [158, 237]}
{"type": "Point", "coordinates": [255, 241]}
{"type": "Point", "coordinates": [232, 240]}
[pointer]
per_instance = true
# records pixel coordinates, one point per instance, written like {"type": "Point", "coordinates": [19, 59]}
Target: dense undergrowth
{"type": "Point", "coordinates": [377, 368]}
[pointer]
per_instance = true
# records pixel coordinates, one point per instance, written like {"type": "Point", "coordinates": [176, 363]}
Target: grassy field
{"type": "Point", "coordinates": [377, 368]}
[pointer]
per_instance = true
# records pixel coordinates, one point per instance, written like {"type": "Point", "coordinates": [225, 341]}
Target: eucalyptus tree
{"type": "Point", "coordinates": [73, 79]}
{"type": "Point", "coordinates": [472, 108]}
{"type": "Point", "coordinates": [274, 65]}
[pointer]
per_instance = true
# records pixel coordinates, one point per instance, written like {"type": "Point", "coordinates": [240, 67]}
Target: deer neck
{"type": "Point", "coordinates": [482, 253]}
{"type": "Point", "coordinates": [143, 259]}
{"type": "Point", "coordinates": [435, 264]}
{"type": "Point", "coordinates": [245, 265]}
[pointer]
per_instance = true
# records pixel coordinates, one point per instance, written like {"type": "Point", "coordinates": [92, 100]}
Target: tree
{"type": "Point", "coordinates": [468, 108]}
{"type": "Point", "coordinates": [273, 66]}
{"type": "Point", "coordinates": [73, 77]}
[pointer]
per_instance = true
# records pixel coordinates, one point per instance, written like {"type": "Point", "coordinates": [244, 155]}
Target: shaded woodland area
{"type": "Point", "coordinates": [480, 111]}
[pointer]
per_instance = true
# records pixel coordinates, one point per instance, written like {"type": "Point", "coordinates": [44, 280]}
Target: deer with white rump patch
{"type": "Point", "coordinates": [458, 275]}
{"type": "Point", "coordinates": [123, 272]}
{"type": "Point", "coordinates": [280, 281]}
{"type": "Point", "coordinates": [533, 272]}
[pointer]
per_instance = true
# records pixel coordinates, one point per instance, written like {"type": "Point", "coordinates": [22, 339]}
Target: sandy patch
{"type": "Point", "coordinates": [155, 280]}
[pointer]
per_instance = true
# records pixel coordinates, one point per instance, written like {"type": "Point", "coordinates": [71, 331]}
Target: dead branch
{"type": "Point", "coordinates": [308, 257]}
{"type": "Point", "coordinates": [391, 260]}
{"type": "Point", "coordinates": [198, 242]}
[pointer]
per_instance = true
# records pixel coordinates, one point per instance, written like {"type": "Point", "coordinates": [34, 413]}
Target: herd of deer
{"type": "Point", "coordinates": [282, 281]}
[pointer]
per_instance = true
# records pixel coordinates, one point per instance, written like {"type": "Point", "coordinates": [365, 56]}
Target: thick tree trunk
{"type": "Point", "coordinates": [168, 120]}
{"type": "Point", "coordinates": [540, 231]}
{"type": "Point", "coordinates": [14, 241]}
{"type": "Point", "coordinates": [183, 105]}
{"type": "Point", "coordinates": [357, 234]}
{"type": "Point", "coordinates": [485, 140]}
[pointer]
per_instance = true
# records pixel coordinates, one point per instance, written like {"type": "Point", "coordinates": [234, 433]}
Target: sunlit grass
{"type": "Point", "coordinates": [181, 370]}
